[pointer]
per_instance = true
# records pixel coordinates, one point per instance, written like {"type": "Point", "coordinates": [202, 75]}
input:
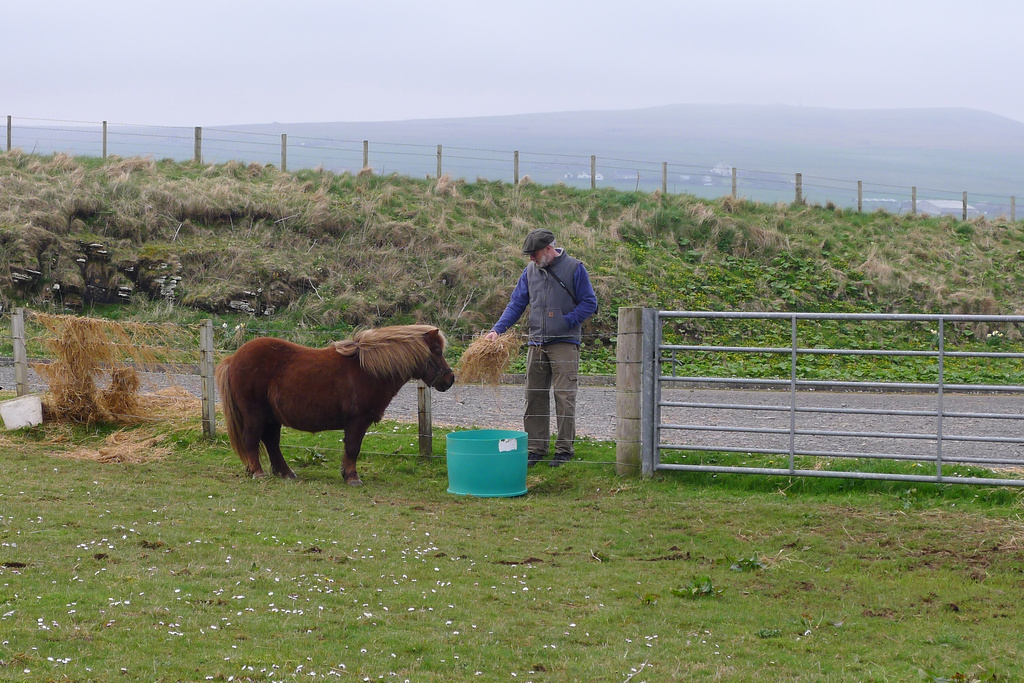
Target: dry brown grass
{"type": "Point", "coordinates": [122, 169]}
{"type": "Point", "coordinates": [485, 361]}
{"type": "Point", "coordinates": [731, 204]}
{"type": "Point", "coordinates": [446, 187]}
{"type": "Point", "coordinates": [878, 269]}
{"type": "Point", "coordinates": [766, 239]}
{"type": "Point", "coordinates": [703, 214]}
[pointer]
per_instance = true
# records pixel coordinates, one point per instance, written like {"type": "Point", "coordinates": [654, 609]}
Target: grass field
{"type": "Point", "coordinates": [174, 566]}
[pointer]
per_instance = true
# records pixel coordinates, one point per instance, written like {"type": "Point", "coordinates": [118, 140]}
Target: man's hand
{"type": "Point", "coordinates": [491, 336]}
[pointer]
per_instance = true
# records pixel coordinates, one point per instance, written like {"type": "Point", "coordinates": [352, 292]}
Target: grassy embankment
{"type": "Point", "coordinates": [314, 254]}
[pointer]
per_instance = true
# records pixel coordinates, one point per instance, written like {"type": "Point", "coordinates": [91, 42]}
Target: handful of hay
{"type": "Point", "coordinates": [485, 361]}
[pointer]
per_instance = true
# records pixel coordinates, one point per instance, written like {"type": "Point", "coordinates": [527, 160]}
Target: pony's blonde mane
{"type": "Point", "coordinates": [390, 351]}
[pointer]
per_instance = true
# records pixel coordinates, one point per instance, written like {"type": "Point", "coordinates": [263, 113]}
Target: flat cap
{"type": "Point", "coordinates": [538, 239]}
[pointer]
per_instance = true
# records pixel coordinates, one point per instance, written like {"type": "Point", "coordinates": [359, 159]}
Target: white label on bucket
{"type": "Point", "coordinates": [506, 445]}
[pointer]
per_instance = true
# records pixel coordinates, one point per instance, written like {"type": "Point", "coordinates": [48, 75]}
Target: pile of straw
{"type": "Point", "coordinates": [86, 351]}
{"type": "Point", "coordinates": [123, 447]}
{"type": "Point", "coordinates": [81, 353]}
{"type": "Point", "coordinates": [485, 361]}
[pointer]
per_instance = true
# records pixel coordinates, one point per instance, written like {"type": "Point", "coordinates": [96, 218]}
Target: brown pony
{"type": "Point", "coordinates": [348, 385]}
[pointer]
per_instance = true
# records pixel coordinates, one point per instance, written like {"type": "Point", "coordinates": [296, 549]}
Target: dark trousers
{"type": "Point", "coordinates": [551, 368]}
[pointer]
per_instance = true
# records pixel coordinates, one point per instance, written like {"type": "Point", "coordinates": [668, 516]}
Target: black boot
{"type": "Point", "coordinates": [560, 459]}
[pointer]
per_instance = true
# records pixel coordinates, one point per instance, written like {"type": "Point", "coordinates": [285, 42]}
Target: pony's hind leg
{"type": "Point", "coordinates": [272, 440]}
{"type": "Point", "coordinates": [354, 434]}
{"type": "Point", "coordinates": [250, 444]}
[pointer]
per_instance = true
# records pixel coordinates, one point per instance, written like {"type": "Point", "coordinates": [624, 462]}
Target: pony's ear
{"type": "Point", "coordinates": [434, 335]}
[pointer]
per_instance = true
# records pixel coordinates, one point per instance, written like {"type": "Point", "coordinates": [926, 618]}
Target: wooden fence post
{"type": "Point", "coordinates": [366, 153]}
{"type": "Point", "coordinates": [628, 366]}
{"type": "Point", "coordinates": [9, 131]}
{"type": "Point", "coordinates": [20, 352]}
{"type": "Point", "coordinates": [593, 171]}
{"type": "Point", "coordinates": [799, 188]}
{"type": "Point", "coordinates": [515, 167]}
{"type": "Point", "coordinates": [425, 419]}
{"type": "Point", "coordinates": [439, 162]}
{"type": "Point", "coordinates": [913, 200]}
{"type": "Point", "coordinates": [664, 177]}
{"type": "Point", "coordinates": [965, 205]}
{"type": "Point", "coordinates": [1013, 208]}
{"type": "Point", "coordinates": [734, 182]}
{"type": "Point", "coordinates": [104, 140]}
{"type": "Point", "coordinates": [284, 152]}
{"type": "Point", "coordinates": [206, 366]}
{"type": "Point", "coordinates": [197, 151]}
{"type": "Point", "coordinates": [860, 196]}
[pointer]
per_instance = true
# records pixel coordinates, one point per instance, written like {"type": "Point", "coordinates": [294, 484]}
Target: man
{"type": "Point", "coordinates": [558, 291]}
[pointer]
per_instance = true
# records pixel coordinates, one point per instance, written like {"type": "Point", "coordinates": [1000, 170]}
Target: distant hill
{"type": "Point", "coordinates": [943, 152]}
{"type": "Point", "coordinates": [944, 149]}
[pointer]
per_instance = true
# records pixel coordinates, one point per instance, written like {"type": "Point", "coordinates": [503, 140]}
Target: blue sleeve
{"type": "Point", "coordinates": [517, 303]}
{"type": "Point", "coordinates": [585, 296]}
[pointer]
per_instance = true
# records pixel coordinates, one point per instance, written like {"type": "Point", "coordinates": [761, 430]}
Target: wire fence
{"type": "Point", "coordinates": [293, 152]}
{"type": "Point", "coordinates": [166, 359]}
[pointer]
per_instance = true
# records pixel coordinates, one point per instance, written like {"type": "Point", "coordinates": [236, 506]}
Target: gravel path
{"type": "Point", "coordinates": [502, 407]}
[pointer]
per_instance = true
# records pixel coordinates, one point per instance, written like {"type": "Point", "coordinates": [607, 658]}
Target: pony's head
{"type": "Point", "coordinates": [437, 374]}
{"type": "Point", "coordinates": [410, 351]}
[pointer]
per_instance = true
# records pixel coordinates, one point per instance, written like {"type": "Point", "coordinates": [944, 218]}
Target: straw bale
{"type": "Point", "coordinates": [485, 361]}
{"type": "Point", "coordinates": [87, 350]}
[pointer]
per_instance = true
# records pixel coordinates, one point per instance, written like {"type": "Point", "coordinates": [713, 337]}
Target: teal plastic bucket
{"type": "Point", "coordinates": [487, 463]}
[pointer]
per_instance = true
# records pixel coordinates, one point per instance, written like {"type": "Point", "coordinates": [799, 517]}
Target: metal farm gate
{"type": "Point", "coordinates": [788, 406]}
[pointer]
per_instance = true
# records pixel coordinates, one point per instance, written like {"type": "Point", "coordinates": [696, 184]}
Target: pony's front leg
{"type": "Point", "coordinates": [354, 434]}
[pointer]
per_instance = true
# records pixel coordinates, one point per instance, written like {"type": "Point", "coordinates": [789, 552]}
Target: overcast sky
{"type": "Point", "coordinates": [213, 62]}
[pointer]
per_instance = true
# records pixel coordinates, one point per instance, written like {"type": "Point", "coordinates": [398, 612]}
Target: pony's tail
{"type": "Point", "coordinates": [232, 417]}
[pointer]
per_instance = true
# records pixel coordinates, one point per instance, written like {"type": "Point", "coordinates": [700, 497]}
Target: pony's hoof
{"type": "Point", "coordinates": [354, 481]}
{"type": "Point", "coordinates": [258, 474]}
{"type": "Point", "coordinates": [286, 475]}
